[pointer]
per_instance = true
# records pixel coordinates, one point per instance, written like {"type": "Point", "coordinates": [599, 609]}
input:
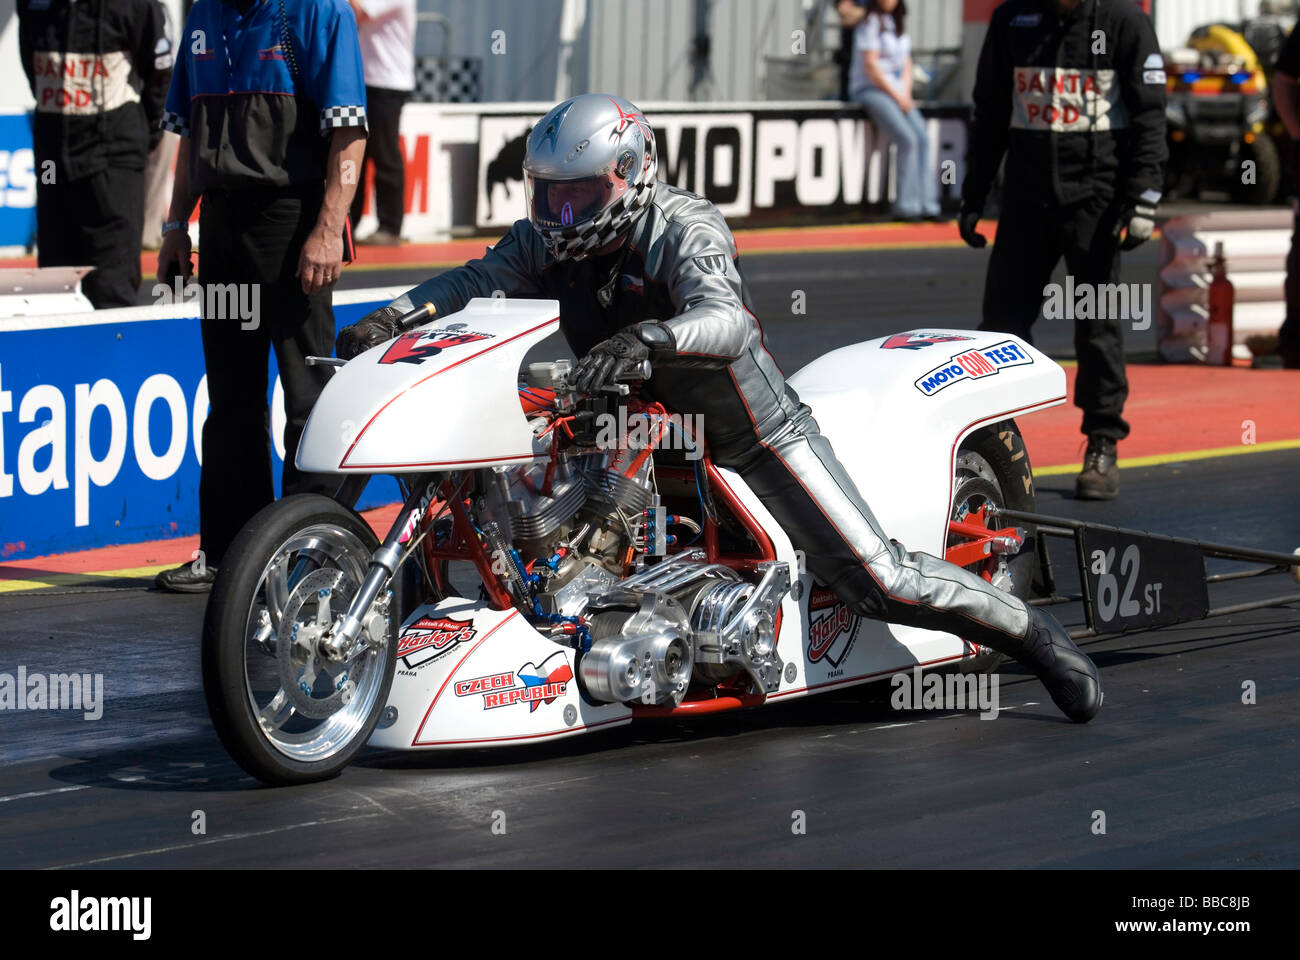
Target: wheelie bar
{"type": "Point", "coordinates": [1173, 581]}
{"type": "Point", "coordinates": [337, 644]}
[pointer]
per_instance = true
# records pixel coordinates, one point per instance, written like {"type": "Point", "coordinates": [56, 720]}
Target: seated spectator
{"type": "Point", "coordinates": [880, 78]}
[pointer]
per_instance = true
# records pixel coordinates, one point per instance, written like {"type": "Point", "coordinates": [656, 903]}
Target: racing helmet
{"type": "Point", "coordinates": [589, 167]}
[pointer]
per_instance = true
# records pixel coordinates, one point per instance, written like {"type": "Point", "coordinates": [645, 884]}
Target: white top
{"type": "Point", "coordinates": [876, 33]}
{"type": "Point", "coordinates": [388, 43]}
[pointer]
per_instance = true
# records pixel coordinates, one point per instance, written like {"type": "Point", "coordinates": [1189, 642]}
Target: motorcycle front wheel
{"type": "Point", "coordinates": [286, 714]}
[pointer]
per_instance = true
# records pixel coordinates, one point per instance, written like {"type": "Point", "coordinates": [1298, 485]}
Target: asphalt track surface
{"type": "Point", "coordinates": [1184, 772]}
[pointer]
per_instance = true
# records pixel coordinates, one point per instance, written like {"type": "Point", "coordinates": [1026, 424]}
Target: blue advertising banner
{"type": "Point", "coordinates": [101, 423]}
{"type": "Point", "coordinates": [17, 180]}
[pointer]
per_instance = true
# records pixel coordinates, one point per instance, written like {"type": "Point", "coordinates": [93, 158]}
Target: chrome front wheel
{"type": "Point", "coordinates": [285, 711]}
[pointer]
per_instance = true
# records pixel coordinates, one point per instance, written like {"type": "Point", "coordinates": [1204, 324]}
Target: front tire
{"type": "Point", "coordinates": [285, 714]}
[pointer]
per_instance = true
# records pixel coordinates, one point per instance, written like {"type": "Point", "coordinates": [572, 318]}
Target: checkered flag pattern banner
{"type": "Point", "coordinates": [447, 79]}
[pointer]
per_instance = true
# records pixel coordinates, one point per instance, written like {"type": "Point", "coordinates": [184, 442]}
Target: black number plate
{"type": "Point", "coordinates": [1139, 581]}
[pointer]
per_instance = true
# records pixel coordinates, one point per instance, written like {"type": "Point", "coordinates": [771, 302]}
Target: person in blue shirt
{"type": "Point", "coordinates": [880, 78]}
{"type": "Point", "coordinates": [268, 97]}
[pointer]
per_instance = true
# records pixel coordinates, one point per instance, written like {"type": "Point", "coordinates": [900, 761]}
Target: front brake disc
{"type": "Point", "coordinates": [317, 687]}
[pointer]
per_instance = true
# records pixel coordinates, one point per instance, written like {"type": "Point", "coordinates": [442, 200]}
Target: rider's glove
{"type": "Point", "coordinates": [622, 354]}
{"type": "Point", "coordinates": [1140, 220]}
{"type": "Point", "coordinates": [371, 330]}
{"type": "Point", "coordinates": [967, 221]}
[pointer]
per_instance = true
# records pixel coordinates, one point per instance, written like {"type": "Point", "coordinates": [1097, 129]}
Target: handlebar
{"type": "Point", "coordinates": [625, 372]}
{"type": "Point", "coordinates": [414, 318]}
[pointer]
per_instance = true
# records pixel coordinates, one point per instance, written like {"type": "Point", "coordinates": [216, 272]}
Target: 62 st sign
{"type": "Point", "coordinates": [1137, 581]}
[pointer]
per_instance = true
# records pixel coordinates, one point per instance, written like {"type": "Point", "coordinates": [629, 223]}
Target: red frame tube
{"type": "Point", "coordinates": [976, 548]}
{"type": "Point", "coordinates": [466, 546]}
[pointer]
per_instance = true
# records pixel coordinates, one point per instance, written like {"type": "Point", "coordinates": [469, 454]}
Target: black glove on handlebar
{"type": "Point", "coordinates": [371, 330]}
{"type": "Point", "coordinates": [623, 352]}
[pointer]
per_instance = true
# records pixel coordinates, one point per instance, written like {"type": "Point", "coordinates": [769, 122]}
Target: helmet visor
{"type": "Point", "coordinates": [568, 203]}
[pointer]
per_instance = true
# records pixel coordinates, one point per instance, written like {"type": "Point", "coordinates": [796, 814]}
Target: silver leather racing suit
{"type": "Point", "coordinates": [680, 267]}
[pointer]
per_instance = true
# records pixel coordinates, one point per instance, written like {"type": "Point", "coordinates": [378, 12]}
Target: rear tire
{"type": "Point", "coordinates": [247, 653]}
{"type": "Point", "coordinates": [993, 466]}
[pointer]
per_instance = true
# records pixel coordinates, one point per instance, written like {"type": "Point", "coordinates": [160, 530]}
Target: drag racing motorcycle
{"type": "Point", "coordinates": [566, 563]}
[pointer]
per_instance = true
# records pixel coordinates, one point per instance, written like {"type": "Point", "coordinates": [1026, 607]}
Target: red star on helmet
{"type": "Point", "coordinates": [637, 118]}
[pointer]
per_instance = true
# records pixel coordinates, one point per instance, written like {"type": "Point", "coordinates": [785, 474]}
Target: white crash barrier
{"type": "Point", "coordinates": [32, 291]}
{"type": "Point", "coordinates": [1255, 246]}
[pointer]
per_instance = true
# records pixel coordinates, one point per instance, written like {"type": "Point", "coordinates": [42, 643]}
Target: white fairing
{"type": "Point", "coordinates": [471, 676]}
{"type": "Point", "coordinates": [824, 644]}
{"type": "Point", "coordinates": [439, 397]}
{"type": "Point", "coordinates": [895, 412]}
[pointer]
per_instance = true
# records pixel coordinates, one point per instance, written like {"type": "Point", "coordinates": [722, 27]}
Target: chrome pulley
{"type": "Point", "coordinates": [642, 649]}
{"type": "Point", "coordinates": [735, 628]}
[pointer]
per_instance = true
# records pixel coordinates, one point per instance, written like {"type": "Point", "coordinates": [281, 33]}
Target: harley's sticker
{"type": "Point", "coordinates": [419, 345]}
{"type": "Point", "coordinates": [984, 362]}
{"type": "Point", "coordinates": [429, 638]}
{"type": "Point", "coordinates": [917, 340]}
{"type": "Point", "coordinates": [832, 627]}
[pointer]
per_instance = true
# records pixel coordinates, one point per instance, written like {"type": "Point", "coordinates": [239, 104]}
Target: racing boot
{"type": "Point", "coordinates": [187, 578]}
{"type": "Point", "coordinates": [1099, 479]}
{"type": "Point", "coordinates": [1069, 675]}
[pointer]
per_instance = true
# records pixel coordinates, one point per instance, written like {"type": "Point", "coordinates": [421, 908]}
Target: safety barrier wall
{"type": "Point", "coordinates": [101, 416]}
{"type": "Point", "coordinates": [762, 163]}
{"type": "Point", "coordinates": [1255, 245]}
{"type": "Point", "coordinates": [17, 180]}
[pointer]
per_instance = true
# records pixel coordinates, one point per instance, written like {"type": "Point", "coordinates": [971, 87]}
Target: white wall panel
{"type": "Point", "coordinates": [1175, 19]}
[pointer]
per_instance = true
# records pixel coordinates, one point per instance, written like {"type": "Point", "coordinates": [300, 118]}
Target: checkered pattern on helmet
{"type": "Point", "coordinates": [610, 223]}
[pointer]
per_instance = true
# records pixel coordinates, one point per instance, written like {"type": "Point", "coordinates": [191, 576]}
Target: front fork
{"type": "Point", "coordinates": [338, 643]}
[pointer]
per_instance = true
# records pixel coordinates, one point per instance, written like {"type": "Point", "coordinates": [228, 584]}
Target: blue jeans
{"type": "Point", "coordinates": [918, 189]}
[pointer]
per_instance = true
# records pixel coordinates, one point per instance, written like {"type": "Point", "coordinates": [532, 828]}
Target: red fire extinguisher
{"type": "Point", "coordinates": [1222, 294]}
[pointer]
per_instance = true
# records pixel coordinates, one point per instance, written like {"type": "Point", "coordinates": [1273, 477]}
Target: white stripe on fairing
{"type": "Point", "coordinates": [170, 311]}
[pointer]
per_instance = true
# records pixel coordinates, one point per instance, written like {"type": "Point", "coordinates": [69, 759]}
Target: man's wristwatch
{"type": "Point", "coordinates": [170, 225]}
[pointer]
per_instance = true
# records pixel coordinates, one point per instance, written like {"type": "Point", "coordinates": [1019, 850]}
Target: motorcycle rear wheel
{"type": "Point", "coordinates": [993, 467]}
{"type": "Point", "coordinates": [284, 713]}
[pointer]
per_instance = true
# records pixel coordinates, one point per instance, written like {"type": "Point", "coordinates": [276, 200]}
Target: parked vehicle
{"type": "Point", "coordinates": [1222, 134]}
